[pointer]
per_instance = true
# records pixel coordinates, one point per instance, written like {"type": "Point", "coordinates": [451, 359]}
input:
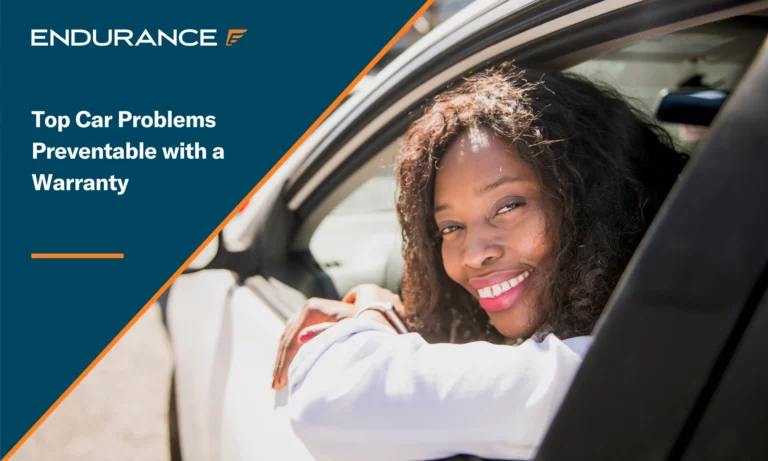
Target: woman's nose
{"type": "Point", "coordinates": [481, 250]}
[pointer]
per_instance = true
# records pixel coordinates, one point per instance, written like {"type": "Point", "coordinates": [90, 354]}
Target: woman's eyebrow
{"type": "Point", "coordinates": [495, 184]}
{"type": "Point", "coordinates": [483, 190]}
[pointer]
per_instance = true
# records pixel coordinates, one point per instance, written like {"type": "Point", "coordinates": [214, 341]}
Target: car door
{"type": "Point", "coordinates": [225, 321]}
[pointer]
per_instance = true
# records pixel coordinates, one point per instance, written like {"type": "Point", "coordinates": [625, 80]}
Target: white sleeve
{"type": "Point", "coordinates": [360, 391]}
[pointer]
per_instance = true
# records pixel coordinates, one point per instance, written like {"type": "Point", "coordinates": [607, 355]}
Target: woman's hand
{"type": "Point", "coordinates": [363, 296]}
{"type": "Point", "coordinates": [315, 315]}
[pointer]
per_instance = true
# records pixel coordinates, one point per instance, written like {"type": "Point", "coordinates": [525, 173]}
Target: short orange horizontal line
{"type": "Point", "coordinates": [78, 255]}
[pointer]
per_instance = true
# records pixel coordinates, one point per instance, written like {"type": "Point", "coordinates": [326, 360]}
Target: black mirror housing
{"type": "Point", "coordinates": [690, 107]}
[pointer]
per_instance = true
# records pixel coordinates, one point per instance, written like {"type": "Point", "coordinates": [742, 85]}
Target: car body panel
{"type": "Point", "coordinates": [251, 426]}
{"type": "Point", "coordinates": [197, 303]}
{"type": "Point", "coordinates": [224, 372]}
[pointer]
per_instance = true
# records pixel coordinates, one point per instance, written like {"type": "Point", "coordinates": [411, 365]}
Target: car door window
{"type": "Point", "coordinates": [374, 196]}
{"type": "Point", "coordinates": [713, 56]}
{"type": "Point", "coordinates": [359, 240]}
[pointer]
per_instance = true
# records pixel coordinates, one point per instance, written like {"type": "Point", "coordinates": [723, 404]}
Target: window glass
{"type": "Point", "coordinates": [376, 194]}
{"type": "Point", "coordinates": [359, 241]}
{"type": "Point", "coordinates": [714, 56]}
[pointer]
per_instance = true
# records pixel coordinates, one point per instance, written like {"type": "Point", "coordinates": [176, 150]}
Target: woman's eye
{"type": "Point", "coordinates": [448, 230]}
{"type": "Point", "coordinates": [508, 207]}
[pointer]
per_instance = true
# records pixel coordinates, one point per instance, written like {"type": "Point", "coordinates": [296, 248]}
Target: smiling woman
{"type": "Point", "coordinates": [522, 196]}
{"type": "Point", "coordinates": [492, 222]}
{"type": "Point", "coordinates": [589, 171]}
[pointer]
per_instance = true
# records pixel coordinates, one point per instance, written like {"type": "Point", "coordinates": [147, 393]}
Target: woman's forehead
{"type": "Point", "coordinates": [474, 162]}
{"type": "Point", "coordinates": [479, 152]}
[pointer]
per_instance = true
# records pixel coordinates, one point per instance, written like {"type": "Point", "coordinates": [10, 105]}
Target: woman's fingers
{"type": "Point", "coordinates": [351, 295]}
{"type": "Point", "coordinates": [365, 293]}
{"type": "Point", "coordinates": [290, 347]}
{"type": "Point", "coordinates": [314, 312]}
{"type": "Point", "coordinates": [279, 357]}
{"type": "Point", "coordinates": [316, 316]}
{"type": "Point", "coordinates": [287, 342]}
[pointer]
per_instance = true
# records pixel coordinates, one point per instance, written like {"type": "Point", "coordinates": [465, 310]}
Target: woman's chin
{"type": "Point", "coordinates": [512, 324]}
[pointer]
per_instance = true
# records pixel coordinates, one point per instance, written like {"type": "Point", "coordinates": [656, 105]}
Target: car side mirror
{"type": "Point", "coordinates": [690, 107]}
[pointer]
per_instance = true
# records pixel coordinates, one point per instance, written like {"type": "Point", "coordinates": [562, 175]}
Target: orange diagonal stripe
{"type": "Point", "coordinates": [78, 255]}
{"type": "Point", "coordinates": [218, 229]}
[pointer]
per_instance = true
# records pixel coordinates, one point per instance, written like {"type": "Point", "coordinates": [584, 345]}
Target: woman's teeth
{"type": "Point", "coordinates": [495, 290]}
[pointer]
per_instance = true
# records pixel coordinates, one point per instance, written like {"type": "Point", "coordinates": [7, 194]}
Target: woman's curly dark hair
{"type": "Point", "coordinates": [603, 166]}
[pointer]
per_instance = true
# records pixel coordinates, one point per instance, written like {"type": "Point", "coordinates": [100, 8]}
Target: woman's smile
{"type": "Point", "coordinates": [500, 290]}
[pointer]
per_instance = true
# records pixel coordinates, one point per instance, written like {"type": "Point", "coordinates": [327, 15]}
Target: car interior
{"type": "Point", "coordinates": [354, 235]}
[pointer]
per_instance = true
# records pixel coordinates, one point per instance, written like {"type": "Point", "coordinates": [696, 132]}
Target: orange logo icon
{"type": "Point", "coordinates": [235, 35]}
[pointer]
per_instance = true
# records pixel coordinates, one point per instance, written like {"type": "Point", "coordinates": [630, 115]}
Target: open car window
{"type": "Point", "coordinates": [358, 241]}
{"type": "Point", "coordinates": [713, 56]}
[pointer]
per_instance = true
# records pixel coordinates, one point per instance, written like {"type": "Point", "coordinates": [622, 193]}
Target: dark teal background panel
{"type": "Point", "coordinates": [265, 91]}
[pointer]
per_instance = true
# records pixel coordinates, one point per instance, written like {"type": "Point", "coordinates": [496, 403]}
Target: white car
{"type": "Point", "coordinates": [326, 222]}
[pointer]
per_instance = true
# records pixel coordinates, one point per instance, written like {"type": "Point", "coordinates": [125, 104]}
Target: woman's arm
{"type": "Point", "coordinates": [360, 391]}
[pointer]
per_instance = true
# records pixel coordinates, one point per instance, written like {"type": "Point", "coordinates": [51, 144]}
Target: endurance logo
{"type": "Point", "coordinates": [235, 35]}
{"type": "Point", "coordinates": [128, 37]}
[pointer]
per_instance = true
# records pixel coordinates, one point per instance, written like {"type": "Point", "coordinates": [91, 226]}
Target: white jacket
{"type": "Point", "coordinates": [359, 391]}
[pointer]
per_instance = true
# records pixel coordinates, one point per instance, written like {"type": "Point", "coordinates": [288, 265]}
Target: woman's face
{"type": "Point", "coordinates": [490, 214]}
